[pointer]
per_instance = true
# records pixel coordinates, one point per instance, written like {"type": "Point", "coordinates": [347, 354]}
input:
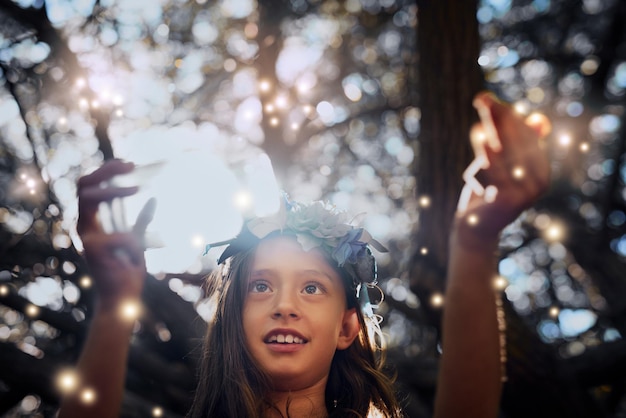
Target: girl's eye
{"type": "Point", "coordinates": [259, 287]}
{"type": "Point", "coordinates": [313, 289]}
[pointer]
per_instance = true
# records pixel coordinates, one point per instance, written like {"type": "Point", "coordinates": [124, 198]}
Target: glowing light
{"type": "Point", "coordinates": [500, 283]}
{"type": "Point", "coordinates": [85, 282]}
{"type": "Point", "coordinates": [295, 126]}
{"type": "Point", "coordinates": [554, 312]}
{"type": "Point", "coordinates": [472, 219]}
{"type": "Point", "coordinates": [554, 232]}
{"type": "Point", "coordinates": [436, 300]}
{"type": "Point", "coordinates": [80, 83]}
{"type": "Point", "coordinates": [269, 108]}
{"type": "Point", "coordinates": [62, 120]}
{"type": "Point", "coordinates": [4, 290]}
{"type": "Point", "coordinates": [565, 140]}
{"type": "Point", "coordinates": [535, 118]}
{"type": "Point", "coordinates": [584, 147]}
{"type": "Point", "coordinates": [307, 109]}
{"type": "Point", "coordinates": [83, 103]}
{"type": "Point", "coordinates": [119, 113]}
{"type": "Point", "coordinates": [157, 411]}
{"type": "Point", "coordinates": [264, 86]}
{"type": "Point", "coordinates": [88, 396]}
{"type": "Point", "coordinates": [30, 183]}
{"type": "Point", "coordinates": [274, 121]}
{"type": "Point", "coordinates": [32, 310]}
{"type": "Point", "coordinates": [281, 102]}
{"type": "Point", "coordinates": [197, 241]}
{"type": "Point", "coordinates": [95, 104]}
{"type": "Point", "coordinates": [521, 108]}
{"type": "Point", "coordinates": [243, 200]}
{"type": "Point", "coordinates": [424, 201]}
{"type": "Point", "coordinates": [67, 381]}
{"type": "Point", "coordinates": [118, 100]}
{"type": "Point", "coordinates": [518, 172]}
{"type": "Point", "coordinates": [423, 250]}
{"type": "Point", "coordinates": [130, 310]}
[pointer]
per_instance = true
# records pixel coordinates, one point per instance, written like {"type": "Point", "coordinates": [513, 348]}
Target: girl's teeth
{"type": "Point", "coordinates": [285, 339]}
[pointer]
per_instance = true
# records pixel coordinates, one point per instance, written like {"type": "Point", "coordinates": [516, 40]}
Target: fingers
{"type": "Point", "coordinates": [145, 217]}
{"type": "Point", "coordinates": [108, 170]}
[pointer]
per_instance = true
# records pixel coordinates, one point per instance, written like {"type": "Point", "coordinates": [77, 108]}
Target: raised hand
{"type": "Point", "coordinates": [116, 260]}
{"type": "Point", "coordinates": [510, 171]}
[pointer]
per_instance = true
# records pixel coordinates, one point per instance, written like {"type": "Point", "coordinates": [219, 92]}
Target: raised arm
{"type": "Point", "coordinates": [117, 266]}
{"type": "Point", "coordinates": [512, 171]}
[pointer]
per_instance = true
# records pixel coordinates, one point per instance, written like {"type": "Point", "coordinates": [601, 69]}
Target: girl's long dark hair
{"type": "Point", "coordinates": [232, 386]}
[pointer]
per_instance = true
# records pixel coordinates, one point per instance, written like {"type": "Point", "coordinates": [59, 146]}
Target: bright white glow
{"type": "Point", "coordinates": [500, 283]}
{"type": "Point", "coordinates": [157, 411]}
{"type": "Point", "coordinates": [565, 140]}
{"type": "Point", "coordinates": [88, 396]}
{"type": "Point", "coordinates": [518, 172]}
{"type": "Point", "coordinates": [472, 219]}
{"type": "Point", "coordinates": [32, 310]}
{"type": "Point", "coordinates": [424, 201]}
{"type": "Point", "coordinates": [436, 300]}
{"type": "Point", "coordinates": [85, 282]}
{"type": "Point", "coordinates": [554, 312]}
{"type": "Point", "coordinates": [423, 250]}
{"type": "Point", "coordinates": [584, 147]}
{"type": "Point", "coordinates": [4, 290]}
{"type": "Point", "coordinates": [67, 381]}
{"type": "Point", "coordinates": [130, 310]}
{"type": "Point", "coordinates": [264, 86]}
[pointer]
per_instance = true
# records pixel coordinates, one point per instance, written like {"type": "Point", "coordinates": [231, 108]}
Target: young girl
{"type": "Point", "coordinates": [290, 336]}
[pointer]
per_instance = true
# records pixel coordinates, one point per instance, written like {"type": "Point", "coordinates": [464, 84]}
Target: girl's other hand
{"type": "Point", "coordinates": [510, 171]}
{"type": "Point", "coordinates": [116, 261]}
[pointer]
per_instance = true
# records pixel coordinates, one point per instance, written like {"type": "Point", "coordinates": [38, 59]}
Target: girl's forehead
{"type": "Point", "coordinates": [285, 251]}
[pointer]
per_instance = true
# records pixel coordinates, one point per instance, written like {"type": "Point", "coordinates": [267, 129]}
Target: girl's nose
{"type": "Point", "coordinates": [286, 306]}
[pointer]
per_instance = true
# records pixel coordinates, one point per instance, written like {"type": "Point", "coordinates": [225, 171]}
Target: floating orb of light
{"type": "Point", "coordinates": [500, 283]}
{"type": "Point", "coordinates": [67, 381]}
{"type": "Point", "coordinates": [436, 300]}
{"type": "Point", "coordinates": [85, 282]}
{"type": "Point", "coordinates": [554, 232]}
{"type": "Point", "coordinates": [157, 411]}
{"type": "Point", "coordinates": [274, 121]}
{"type": "Point", "coordinates": [584, 147]}
{"type": "Point", "coordinates": [554, 312]}
{"type": "Point", "coordinates": [130, 310]}
{"type": "Point", "coordinates": [518, 172]}
{"type": "Point", "coordinates": [423, 250]}
{"type": "Point", "coordinates": [4, 290]}
{"type": "Point", "coordinates": [565, 140]}
{"type": "Point", "coordinates": [265, 86]}
{"type": "Point", "coordinates": [424, 201]}
{"type": "Point", "coordinates": [88, 396]}
{"type": "Point", "coordinates": [32, 310]}
{"type": "Point", "coordinates": [472, 219]}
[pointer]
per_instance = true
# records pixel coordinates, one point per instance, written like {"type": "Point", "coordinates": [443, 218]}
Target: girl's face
{"type": "Point", "coordinates": [295, 314]}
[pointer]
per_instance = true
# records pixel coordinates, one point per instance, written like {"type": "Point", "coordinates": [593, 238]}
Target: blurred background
{"type": "Point", "coordinates": [364, 103]}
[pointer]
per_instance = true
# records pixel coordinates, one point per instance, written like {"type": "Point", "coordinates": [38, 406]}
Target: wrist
{"type": "Point", "coordinates": [471, 238]}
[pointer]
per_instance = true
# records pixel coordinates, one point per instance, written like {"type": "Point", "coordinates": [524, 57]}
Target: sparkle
{"type": "Point", "coordinates": [243, 200]}
{"type": "Point", "coordinates": [521, 108]}
{"type": "Point", "coordinates": [500, 283]}
{"type": "Point", "coordinates": [85, 282]}
{"type": "Point", "coordinates": [88, 396]}
{"type": "Point", "coordinates": [518, 172]}
{"type": "Point", "coordinates": [423, 250]}
{"type": "Point", "coordinates": [584, 147]}
{"type": "Point", "coordinates": [295, 126]}
{"type": "Point", "coordinates": [281, 102]}
{"type": "Point", "coordinates": [67, 381]}
{"type": "Point", "coordinates": [565, 140]}
{"type": "Point", "coordinates": [95, 104]}
{"type": "Point", "coordinates": [269, 108]}
{"type": "Point", "coordinates": [307, 109]}
{"type": "Point", "coordinates": [554, 312]}
{"type": "Point", "coordinates": [80, 83]}
{"type": "Point", "coordinates": [436, 300]}
{"type": "Point", "coordinates": [274, 121]}
{"type": "Point", "coordinates": [32, 310]}
{"type": "Point", "coordinates": [157, 411]}
{"type": "Point", "coordinates": [472, 219]}
{"type": "Point", "coordinates": [424, 201]}
{"type": "Point", "coordinates": [264, 86]}
{"type": "Point", "coordinates": [554, 232]}
{"type": "Point", "coordinates": [130, 310]}
{"type": "Point", "coordinates": [4, 290]}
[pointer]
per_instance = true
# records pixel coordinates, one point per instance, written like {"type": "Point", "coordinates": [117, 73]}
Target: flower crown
{"type": "Point", "coordinates": [315, 225]}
